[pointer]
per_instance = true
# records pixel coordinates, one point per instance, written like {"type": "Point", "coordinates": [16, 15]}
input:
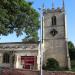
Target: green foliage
{"type": "Point", "coordinates": [30, 39]}
{"type": "Point", "coordinates": [18, 16]}
{"type": "Point", "coordinates": [51, 65]}
{"type": "Point", "coordinates": [71, 50]}
{"type": "Point", "coordinates": [72, 54]}
{"type": "Point", "coordinates": [70, 45]}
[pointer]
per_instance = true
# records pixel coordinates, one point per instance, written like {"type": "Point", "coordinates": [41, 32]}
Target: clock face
{"type": "Point", "coordinates": [53, 32]}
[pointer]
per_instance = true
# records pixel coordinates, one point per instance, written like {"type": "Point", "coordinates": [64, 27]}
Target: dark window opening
{"type": "Point", "coordinates": [53, 32]}
{"type": "Point", "coordinates": [6, 58]}
{"type": "Point", "coordinates": [54, 20]}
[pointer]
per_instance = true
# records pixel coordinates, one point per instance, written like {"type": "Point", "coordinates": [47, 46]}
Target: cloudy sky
{"type": "Point", "coordinates": [70, 12]}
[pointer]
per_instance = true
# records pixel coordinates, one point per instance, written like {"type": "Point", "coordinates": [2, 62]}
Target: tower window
{"type": "Point", "coordinates": [54, 20]}
{"type": "Point", "coordinates": [6, 57]}
{"type": "Point", "coordinates": [53, 32]}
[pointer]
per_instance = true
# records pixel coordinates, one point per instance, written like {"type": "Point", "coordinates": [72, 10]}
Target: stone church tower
{"type": "Point", "coordinates": [54, 36]}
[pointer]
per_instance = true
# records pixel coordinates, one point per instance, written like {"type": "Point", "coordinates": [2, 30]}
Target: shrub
{"type": "Point", "coordinates": [51, 65]}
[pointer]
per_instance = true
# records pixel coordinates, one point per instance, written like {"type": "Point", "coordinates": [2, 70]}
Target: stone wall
{"type": "Point", "coordinates": [29, 72]}
{"type": "Point", "coordinates": [58, 73]}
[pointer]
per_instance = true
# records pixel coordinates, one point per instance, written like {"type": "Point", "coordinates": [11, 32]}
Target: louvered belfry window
{"type": "Point", "coordinates": [53, 20]}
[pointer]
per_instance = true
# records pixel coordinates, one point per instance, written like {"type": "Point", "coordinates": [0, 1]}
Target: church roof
{"type": "Point", "coordinates": [21, 42]}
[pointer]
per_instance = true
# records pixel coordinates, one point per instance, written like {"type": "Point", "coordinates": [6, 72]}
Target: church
{"type": "Point", "coordinates": [20, 55]}
{"type": "Point", "coordinates": [27, 55]}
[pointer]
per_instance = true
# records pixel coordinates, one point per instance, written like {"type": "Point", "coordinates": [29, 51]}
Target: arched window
{"type": "Point", "coordinates": [6, 57]}
{"type": "Point", "coordinates": [54, 20]}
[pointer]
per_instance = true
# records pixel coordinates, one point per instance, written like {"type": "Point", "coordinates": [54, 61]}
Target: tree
{"type": "Point", "coordinates": [51, 65]}
{"type": "Point", "coordinates": [71, 50]}
{"type": "Point", "coordinates": [18, 16]}
{"type": "Point", "coordinates": [70, 45]}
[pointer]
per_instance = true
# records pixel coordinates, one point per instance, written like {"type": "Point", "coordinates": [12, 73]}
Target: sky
{"type": "Point", "coordinates": [70, 12]}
